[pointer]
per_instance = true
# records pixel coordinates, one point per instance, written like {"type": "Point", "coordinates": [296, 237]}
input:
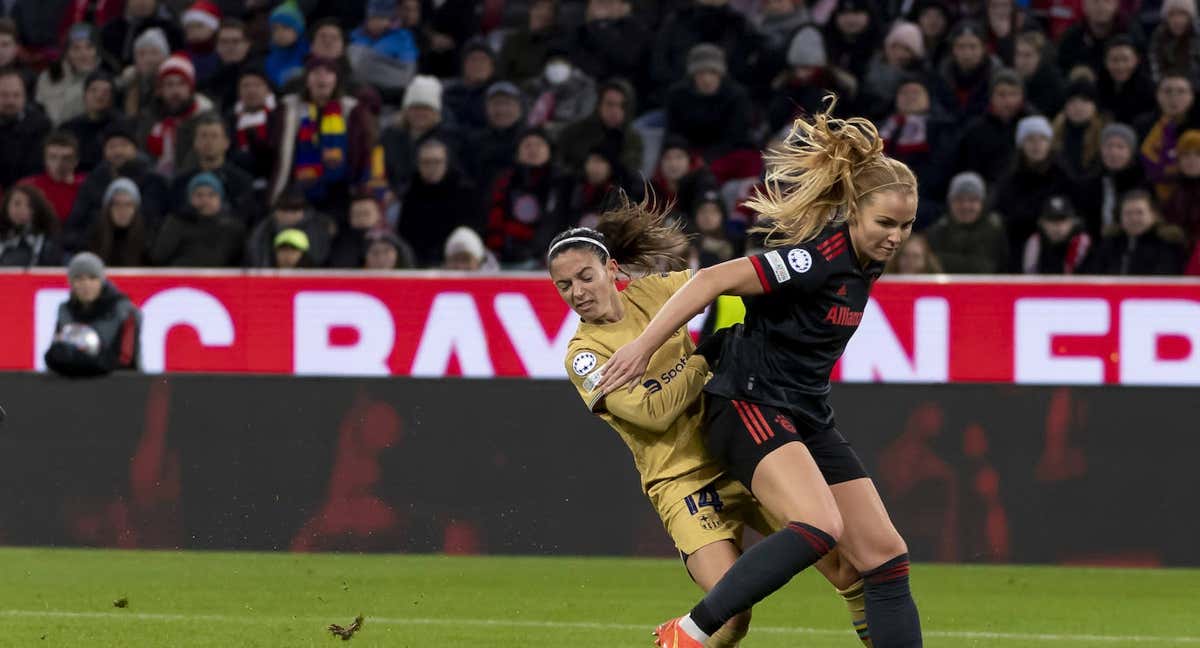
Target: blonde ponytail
{"type": "Point", "coordinates": [821, 175]}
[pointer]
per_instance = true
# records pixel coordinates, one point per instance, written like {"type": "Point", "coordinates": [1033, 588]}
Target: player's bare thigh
{"type": "Point", "coordinates": [788, 483]}
{"type": "Point", "coordinates": [869, 538]}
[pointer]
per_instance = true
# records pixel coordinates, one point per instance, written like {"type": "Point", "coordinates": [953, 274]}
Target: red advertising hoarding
{"type": "Point", "coordinates": [959, 329]}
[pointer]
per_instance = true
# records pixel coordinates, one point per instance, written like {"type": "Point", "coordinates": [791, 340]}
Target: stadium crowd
{"type": "Point", "coordinates": [1058, 136]}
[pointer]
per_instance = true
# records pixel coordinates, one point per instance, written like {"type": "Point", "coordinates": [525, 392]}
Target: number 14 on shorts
{"type": "Point", "coordinates": [706, 496]}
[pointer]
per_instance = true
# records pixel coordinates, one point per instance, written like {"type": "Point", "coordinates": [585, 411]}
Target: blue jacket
{"type": "Point", "coordinates": [397, 44]}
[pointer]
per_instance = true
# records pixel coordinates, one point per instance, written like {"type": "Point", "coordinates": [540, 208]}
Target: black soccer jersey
{"type": "Point", "coordinates": [813, 301]}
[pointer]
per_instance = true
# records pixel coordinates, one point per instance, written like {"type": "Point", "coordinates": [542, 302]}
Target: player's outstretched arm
{"type": "Point", "coordinates": [627, 366]}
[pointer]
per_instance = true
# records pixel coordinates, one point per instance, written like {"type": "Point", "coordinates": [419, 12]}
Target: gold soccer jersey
{"type": "Point", "coordinates": [660, 420]}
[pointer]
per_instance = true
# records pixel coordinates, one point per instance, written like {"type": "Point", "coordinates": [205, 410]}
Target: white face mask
{"type": "Point", "coordinates": [558, 72]}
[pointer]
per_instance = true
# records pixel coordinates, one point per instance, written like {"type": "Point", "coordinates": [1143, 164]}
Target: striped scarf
{"type": "Point", "coordinates": [322, 148]}
{"type": "Point", "coordinates": [161, 144]}
{"type": "Point", "coordinates": [252, 124]}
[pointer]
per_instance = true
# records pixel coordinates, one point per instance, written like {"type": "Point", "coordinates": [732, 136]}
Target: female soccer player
{"type": "Point", "coordinates": [703, 510]}
{"type": "Point", "coordinates": [837, 209]}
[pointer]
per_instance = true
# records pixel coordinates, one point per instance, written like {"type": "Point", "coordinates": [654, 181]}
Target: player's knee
{"type": "Point", "coordinates": [831, 523]}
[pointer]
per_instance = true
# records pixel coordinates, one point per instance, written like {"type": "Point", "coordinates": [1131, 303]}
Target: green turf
{"type": "Point", "coordinates": [65, 598]}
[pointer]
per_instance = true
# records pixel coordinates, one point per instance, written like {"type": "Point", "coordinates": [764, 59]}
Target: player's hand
{"type": "Point", "coordinates": [625, 368]}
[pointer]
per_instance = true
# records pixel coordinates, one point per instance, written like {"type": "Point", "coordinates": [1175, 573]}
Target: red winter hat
{"type": "Point", "coordinates": [203, 12]}
{"type": "Point", "coordinates": [178, 64]}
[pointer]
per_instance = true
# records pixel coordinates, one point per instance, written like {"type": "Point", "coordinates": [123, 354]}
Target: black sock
{"type": "Point", "coordinates": [766, 567]}
{"type": "Point", "coordinates": [891, 612]}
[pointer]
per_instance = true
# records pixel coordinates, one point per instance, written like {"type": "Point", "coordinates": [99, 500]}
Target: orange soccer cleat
{"type": "Point", "coordinates": [670, 635]}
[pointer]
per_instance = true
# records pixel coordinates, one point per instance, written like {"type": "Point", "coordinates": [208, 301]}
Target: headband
{"type": "Point", "coordinates": [577, 239]}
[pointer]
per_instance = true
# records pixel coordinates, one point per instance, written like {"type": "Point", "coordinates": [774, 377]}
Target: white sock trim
{"type": "Point", "coordinates": [693, 630]}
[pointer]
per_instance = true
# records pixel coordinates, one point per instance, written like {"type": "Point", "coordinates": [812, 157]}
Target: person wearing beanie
{"type": "Point", "coordinates": [99, 97]}
{"type": "Point", "coordinates": [59, 182]}
{"type": "Point", "coordinates": [382, 53]}
{"type": "Point", "coordinates": [1037, 175]}
{"type": "Point", "coordinates": [285, 59]}
{"type": "Point", "coordinates": [492, 148]}
{"type": "Point", "coordinates": [28, 229]}
{"type": "Point", "coordinates": [386, 251]}
{"type": "Point", "coordinates": [968, 240]}
{"type": "Point", "coordinates": [420, 121]}
{"type": "Point", "coordinates": [325, 140]}
{"type": "Point", "coordinates": [138, 83]}
{"type": "Point", "coordinates": [673, 47]}
{"type": "Point", "coordinates": [1175, 43]}
{"type": "Point", "coordinates": [438, 199]}
{"type": "Point", "coordinates": [1061, 244]}
{"type": "Point", "coordinates": [201, 21]}
{"type": "Point", "coordinates": [119, 236]}
{"type": "Point", "coordinates": [60, 86]}
{"type": "Point", "coordinates": [712, 112]}
{"type": "Point", "coordinates": [990, 140]}
{"type": "Point", "coordinates": [1077, 129]}
{"type": "Point", "coordinates": [903, 56]}
{"type": "Point", "coordinates": [808, 80]}
{"type": "Point", "coordinates": [466, 96]}
{"type": "Point", "coordinates": [98, 328]}
{"type": "Point", "coordinates": [203, 234]}
{"type": "Point", "coordinates": [464, 251]}
{"type": "Point", "coordinates": [167, 127]}
{"type": "Point", "coordinates": [119, 37]}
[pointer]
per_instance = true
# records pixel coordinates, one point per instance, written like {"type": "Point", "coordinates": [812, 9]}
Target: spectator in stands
{"type": "Point", "coordinates": [711, 111]}
{"type": "Point", "coordinates": [987, 144]}
{"type": "Point", "coordinates": [493, 148]}
{"type": "Point", "coordinates": [562, 94]}
{"type": "Point", "coordinates": [934, 19]}
{"type": "Point", "coordinates": [60, 86]}
{"type": "Point", "coordinates": [1002, 19]}
{"type": "Point", "coordinates": [919, 133]}
{"type": "Point", "coordinates": [28, 229]}
{"type": "Point", "coordinates": [10, 53]}
{"type": "Point", "coordinates": [613, 43]}
{"type": "Point", "coordinates": [1043, 82]}
{"type": "Point", "coordinates": [291, 250]}
{"type": "Point", "coordinates": [464, 251]}
{"type": "Point", "coordinates": [524, 50]}
{"type": "Point", "coordinates": [119, 236]}
{"type": "Point", "coordinates": [1077, 129]}
{"type": "Point", "coordinates": [290, 212]}
{"type": "Point", "coordinates": [680, 178]}
{"type": "Point", "coordinates": [711, 245]}
{"type": "Point", "coordinates": [449, 24]}
{"type": "Point", "coordinates": [420, 119]}
{"type": "Point", "coordinates": [380, 53]}
{"type": "Point", "coordinates": [201, 23]}
{"type": "Point", "coordinates": [608, 126]}
{"type": "Point", "coordinates": [386, 251]}
{"type": "Point", "coordinates": [853, 36]}
{"type": "Point", "coordinates": [526, 205]}
{"type": "Point", "coordinates": [596, 189]}
{"type": "Point", "coordinates": [1060, 244]}
{"type": "Point", "coordinates": [324, 140]}
{"type": "Point", "coordinates": [1124, 82]}
{"type": "Point", "coordinates": [966, 240]}
{"type": "Point", "coordinates": [119, 36]}
{"type": "Point", "coordinates": [59, 183]}
{"type": "Point", "coordinates": [914, 257]}
{"type": "Point", "coordinates": [349, 247]}
{"type": "Point", "coordinates": [210, 147]}
{"type": "Point", "coordinates": [168, 125]}
{"type": "Point", "coordinates": [98, 112]}
{"type": "Point", "coordinates": [1142, 245]}
{"type": "Point", "coordinates": [23, 126]}
{"type": "Point", "coordinates": [285, 60]}
{"type": "Point", "coordinates": [202, 234]}
{"type": "Point", "coordinates": [777, 22]}
{"type": "Point", "coordinates": [121, 159]}
{"type": "Point", "coordinates": [1183, 207]}
{"type": "Point", "coordinates": [233, 58]}
{"type": "Point", "coordinates": [1175, 44]}
{"type": "Point", "coordinates": [139, 82]}
{"type": "Point", "coordinates": [711, 22]}
{"type": "Point", "coordinates": [1120, 172]}
{"type": "Point", "coordinates": [251, 120]}
{"type": "Point", "coordinates": [329, 42]}
{"type": "Point", "coordinates": [1083, 43]}
{"type": "Point", "coordinates": [97, 330]}
{"type": "Point", "coordinates": [903, 56]}
{"type": "Point", "coordinates": [808, 79]}
{"type": "Point", "coordinates": [439, 199]}
{"type": "Point", "coordinates": [1161, 129]}
{"type": "Point", "coordinates": [965, 77]}
{"type": "Point", "coordinates": [1037, 175]}
{"type": "Point", "coordinates": [465, 96]}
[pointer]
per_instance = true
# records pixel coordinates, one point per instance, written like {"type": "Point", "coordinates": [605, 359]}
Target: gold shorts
{"type": "Point", "coordinates": [720, 511]}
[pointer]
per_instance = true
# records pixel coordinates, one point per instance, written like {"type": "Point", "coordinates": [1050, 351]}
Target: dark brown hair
{"type": "Point", "coordinates": [44, 220]}
{"type": "Point", "coordinates": [636, 235]}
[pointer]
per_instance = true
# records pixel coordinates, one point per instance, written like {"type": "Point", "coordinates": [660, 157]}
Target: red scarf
{"type": "Point", "coordinates": [161, 141]}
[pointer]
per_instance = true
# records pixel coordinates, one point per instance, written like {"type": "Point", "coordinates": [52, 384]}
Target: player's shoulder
{"type": "Point", "coordinates": [656, 286]}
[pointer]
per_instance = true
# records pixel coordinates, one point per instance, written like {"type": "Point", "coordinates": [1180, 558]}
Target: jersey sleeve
{"type": "Point", "coordinates": [800, 269]}
{"type": "Point", "coordinates": [583, 368]}
{"type": "Point", "coordinates": [655, 406]}
{"type": "Point", "coordinates": [662, 285]}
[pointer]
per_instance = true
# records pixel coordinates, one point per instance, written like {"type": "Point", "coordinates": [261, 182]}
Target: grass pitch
{"type": "Point", "coordinates": [181, 599]}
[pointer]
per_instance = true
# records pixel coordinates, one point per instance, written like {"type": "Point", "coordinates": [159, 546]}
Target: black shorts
{"type": "Point", "coordinates": [739, 434]}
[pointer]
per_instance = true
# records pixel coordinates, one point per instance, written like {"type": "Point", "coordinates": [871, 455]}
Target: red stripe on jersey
{"type": "Point", "coordinates": [837, 238]}
{"type": "Point", "coordinates": [762, 276]}
{"type": "Point", "coordinates": [833, 252]}
{"type": "Point", "coordinates": [758, 414]}
{"type": "Point", "coordinates": [749, 423]}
